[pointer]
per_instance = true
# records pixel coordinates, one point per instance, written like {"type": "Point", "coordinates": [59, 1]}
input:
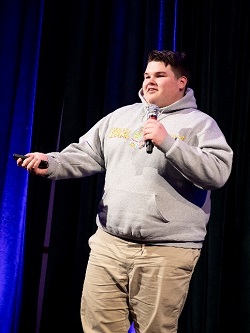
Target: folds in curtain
{"type": "Point", "coordinates": [20, 24]}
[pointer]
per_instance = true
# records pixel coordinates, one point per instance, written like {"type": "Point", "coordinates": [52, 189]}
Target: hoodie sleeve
{"type": "Point", "coordinates": [80, 159]}
{"type": "Point", "coordinates": [205, 158]}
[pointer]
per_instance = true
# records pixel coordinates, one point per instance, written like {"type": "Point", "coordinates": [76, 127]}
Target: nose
{"type": "Point", "coordinates": [151, 80]}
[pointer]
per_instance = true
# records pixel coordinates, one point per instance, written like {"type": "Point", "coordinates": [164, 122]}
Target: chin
{"type": "Point", "coordinates": [151, 100]}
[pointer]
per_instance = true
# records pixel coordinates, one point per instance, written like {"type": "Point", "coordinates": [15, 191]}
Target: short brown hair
{"type": "Point", "coordinates": [177, 60]}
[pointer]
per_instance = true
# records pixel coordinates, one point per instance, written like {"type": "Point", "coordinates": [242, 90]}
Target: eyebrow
{"type": "Point", "coordinates": [155, 73]}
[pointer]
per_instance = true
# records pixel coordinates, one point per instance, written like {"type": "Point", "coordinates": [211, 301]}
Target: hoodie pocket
{"type": "Point", "coordinates": [118, 205]}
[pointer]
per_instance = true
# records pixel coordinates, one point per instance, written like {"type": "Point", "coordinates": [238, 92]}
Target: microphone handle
{"type": "Point", "coordinates": [149, 146]}
{"type": "Point", "coordinates": [149, 143]}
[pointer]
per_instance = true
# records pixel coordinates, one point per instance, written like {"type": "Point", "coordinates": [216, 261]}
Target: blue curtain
{"type": "Point", "coordinates": [20, 30]}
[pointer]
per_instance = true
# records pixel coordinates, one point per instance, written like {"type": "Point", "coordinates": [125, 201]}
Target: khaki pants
{"type": "Point", "coordinates": [127, 281]}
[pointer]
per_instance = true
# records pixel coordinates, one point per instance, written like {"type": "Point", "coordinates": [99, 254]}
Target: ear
{"type": "Point", "coordinates": [182, 82]}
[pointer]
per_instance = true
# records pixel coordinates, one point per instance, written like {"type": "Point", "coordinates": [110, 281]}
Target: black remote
{"type": "Point", "coordinates": [43, 164]}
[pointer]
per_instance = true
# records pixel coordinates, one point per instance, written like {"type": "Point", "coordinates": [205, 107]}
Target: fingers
{"type": "Point", "coordinates": [155, 131]}
{"type": "Point", "coordinates": [150, 129]}
{"type": "Point", "coordinates": [32, 163]}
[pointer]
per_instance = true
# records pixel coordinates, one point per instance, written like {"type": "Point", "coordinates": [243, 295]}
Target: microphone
{"type": "Point", "coordinates": [152, 113]}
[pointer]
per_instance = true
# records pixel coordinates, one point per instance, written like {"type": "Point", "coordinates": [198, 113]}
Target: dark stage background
{"type": "Point", "coordinates": [89, 60]}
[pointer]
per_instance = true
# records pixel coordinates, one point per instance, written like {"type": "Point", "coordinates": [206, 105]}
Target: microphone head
{"type": "Point", "coordinates": [153, 111]}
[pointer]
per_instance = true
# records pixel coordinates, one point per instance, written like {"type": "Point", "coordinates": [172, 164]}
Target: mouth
{"type": "Point", "coordinates": [149, 90]}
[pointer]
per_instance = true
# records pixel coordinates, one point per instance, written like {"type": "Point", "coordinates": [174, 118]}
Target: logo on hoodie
{"type": "Point", "coordinates": [135, 138]}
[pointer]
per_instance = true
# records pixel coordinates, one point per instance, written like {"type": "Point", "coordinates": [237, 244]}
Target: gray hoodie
{"type": "Point", "coordinates": [163, 197]}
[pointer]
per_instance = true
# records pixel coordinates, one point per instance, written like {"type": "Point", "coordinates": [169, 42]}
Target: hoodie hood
{"type": "Point", "coordinates": [188, 101]}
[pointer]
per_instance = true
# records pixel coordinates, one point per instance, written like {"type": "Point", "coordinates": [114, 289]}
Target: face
{"type": "Point", "coordinates": [160, 86]}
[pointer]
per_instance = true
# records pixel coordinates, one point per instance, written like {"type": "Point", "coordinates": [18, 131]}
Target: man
{"type": "Point", "coordinates": [156, 203]}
